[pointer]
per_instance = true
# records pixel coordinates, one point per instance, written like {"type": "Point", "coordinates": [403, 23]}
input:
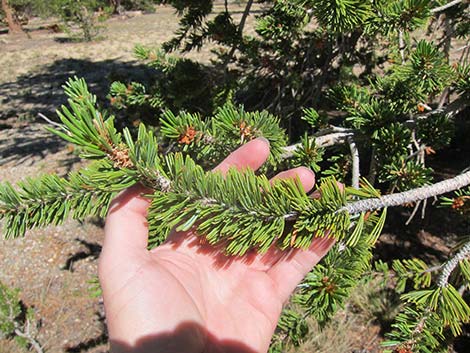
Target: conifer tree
{"type": "Point", "coordinates": [243, 210]}
{"type": "Point", "coordinates": [399, 111]}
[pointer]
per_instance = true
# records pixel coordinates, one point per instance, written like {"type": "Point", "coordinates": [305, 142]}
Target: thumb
{"type": "Point", "coordinates": [126, 229]}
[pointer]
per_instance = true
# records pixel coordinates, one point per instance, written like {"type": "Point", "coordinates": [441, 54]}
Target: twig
{"type": "Point", "coordinates": [446, 6]}
{"type": "Point", "coordinates": [42, 116]}
{"type": "Point", "coordinates": [423, 209]}
{"type": "Point", "coordinates": [328, 140]}
{"type": "Point", "coordinates": [401, 46]}
{"type": "Point", "coordinates": [414, 154]}
{"type": "Point", "coordinates": [372, 167]}
{"type": "Point", "coordinates": [451, 264]}
{"type": "Point", "coordinates": [414, 195]}
{"type": "Point", "coordinates": [451, 109]}
{"type": "Point", "coordinates": [462, 48]}
{"type": "Point", "coordinates": [443, 98]}
{"type": "Point", "coordinates": [35, 344]}
{"type": "Point", "coordinates": [246, 12]}
{"type": "Point", "coordinates": [413, 214]}
{"type": "Point", "coordinates": [356, 174]}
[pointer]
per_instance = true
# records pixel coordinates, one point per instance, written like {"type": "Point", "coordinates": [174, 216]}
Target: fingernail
{"type": "Point", "coordinates": [264, 139]}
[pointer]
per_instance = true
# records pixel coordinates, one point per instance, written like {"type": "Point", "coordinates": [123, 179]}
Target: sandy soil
{"type": "Point", "coordinates": [53, 266]}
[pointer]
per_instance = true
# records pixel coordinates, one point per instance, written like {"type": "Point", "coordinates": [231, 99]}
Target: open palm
{"type": "Point", "coordinates": [186, 295]}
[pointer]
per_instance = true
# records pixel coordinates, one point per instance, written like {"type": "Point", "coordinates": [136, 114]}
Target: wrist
{"type": "Point", "coordinates": [186, 338]}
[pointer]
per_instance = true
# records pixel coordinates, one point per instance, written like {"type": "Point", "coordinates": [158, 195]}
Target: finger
{"type": "Point", "coordinates": [305, 175]}
{"type": "Point", "coordinates": [263, 262]}
{"type": "Point", "coordinates": [290, 271]}
{"type": "Point", "coordinates": [126, 228]}
{"type": "Point", "coordinates": [251, 155]}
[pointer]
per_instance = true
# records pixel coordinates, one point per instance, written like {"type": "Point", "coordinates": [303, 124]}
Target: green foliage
{"type": "Point", "coordinates": [435, 131]}
{"type": "Point", "coordinates": [23, 10]}
{"type": "Point", "coordinates": [415, 270]}
{"type": "Point", "coordinates": [212, 139]}
{"type": "Point", "coordinates": [178, 84]}
{"type": "Point", "coordinates": [406, 174]}
{"type": "Point", "coordinates": [185, 194]}
{"type": "Point", "coordinates": [192, 16]}
{"type": "Point", "coordinates": [392, 142]}
{"type": "Point", "coordinates": [292, 323]}
{"type": "Point", "coordinates": [326, 288]}
{"type": "Point", "coordinates": [416, 330]}
{"type": "Point", "coordinates": [405, 15]}
{"type": "Point", "coordinates": [80, 14]}
{"type": "Point", "coordinates": [379, 78]}
{"type": "Point", "coordinates": [460, 202]}
{"type": "Point", "coordinates": [284, 17]}
{"type": "Point", "coordinates": [50, 199]}
{"type": "Point", "coordinates": [10, 309]}
{"type": "Point", "coordinates": [462, 80]}
{"type": "Point", "coordinates": [143, 5]}
{"type": "Point", "coordinates": [446, 302]}
{"type": "Point", "coordinates": [307, 154]}
{"type": "Point", "coordinates": [259, 210]}
{"type": "Point", "coordinates": [342, 15]}
{"type": "Point", "coordinates": [427, 70]}
{"type": "Point", "coordinates": [16, 321]}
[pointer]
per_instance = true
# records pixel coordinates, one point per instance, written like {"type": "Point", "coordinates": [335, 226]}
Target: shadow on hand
{"type": "Point", "coordinates": [221, 259]}
{"type": "Point", "coordinates": [188, 337]}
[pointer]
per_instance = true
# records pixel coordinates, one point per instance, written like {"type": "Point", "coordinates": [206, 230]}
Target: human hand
{"type": "Point", "coordinates": [187, 296]}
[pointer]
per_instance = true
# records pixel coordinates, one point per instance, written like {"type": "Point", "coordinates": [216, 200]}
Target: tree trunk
{"type": "Point", "coordinates": [14, 25]}
{"type": "Point", "coordinates": [117, 8]}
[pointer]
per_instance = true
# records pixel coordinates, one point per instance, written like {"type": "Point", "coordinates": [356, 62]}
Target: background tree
{"type": "Point", "coordinates": [14, 26]}
{"type": "Point", "coordinates": [346, 87]}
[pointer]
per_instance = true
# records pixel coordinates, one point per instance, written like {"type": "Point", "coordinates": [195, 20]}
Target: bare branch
{"type": "Point", "coordinates": [31, 340]}
{"type": "Point", "coordinates": [356, 174]}
{"type": "Point", "coordinates": [246, 12]}
{"type": "Point", "coordinates": [462, 48]}
{"type": "Point", "coordinates": [328, 140]}
{"type": "Point", "coordinates": [446, 6]}
{"type": "Point", "coordinates": [450, 110]}
{"type": "Point", "coordinates": [42, 116]}
{"type": "Point", "coordinates": [414, 195]}
{"type": "Point", "coordinates": [401, 46]}
{"type": "Point", "coordinates": [451, 264]}
{"type": "Point", "coordinates": [413, 214]}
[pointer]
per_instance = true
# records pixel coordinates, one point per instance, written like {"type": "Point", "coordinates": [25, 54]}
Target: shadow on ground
{"type": "Point", "coordinates": [94, 342]}
{"type": "Point", "coordinates": [91, 251]}
{"type": "Point", "coordinates": [30, 143]}
{"type": "Point", "coordinates": [41, 91]}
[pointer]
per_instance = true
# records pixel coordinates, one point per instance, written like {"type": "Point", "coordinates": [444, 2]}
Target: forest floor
{"type": "Point", "coordinates": [53, 267]}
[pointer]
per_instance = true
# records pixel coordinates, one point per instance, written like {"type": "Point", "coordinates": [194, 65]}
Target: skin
{"type": "Point", "coordinates": [187, 296]}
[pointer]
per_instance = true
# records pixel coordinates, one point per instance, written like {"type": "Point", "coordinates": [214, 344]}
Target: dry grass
{"type": "Point", "coordinates": [32, 70]}
{"type": "Point", "coordinates": [31, 74]}
{"type": "Point", "coordinates": [356, 328]}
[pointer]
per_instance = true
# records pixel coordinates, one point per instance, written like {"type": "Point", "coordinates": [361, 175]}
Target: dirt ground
{"type": "Point", "coordinates": [53, 267]}
{"type": "Point", "coordinates": [34, 69]}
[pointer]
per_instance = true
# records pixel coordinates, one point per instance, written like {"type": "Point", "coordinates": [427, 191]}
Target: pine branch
{"type": "Point", "coordinates": [451, 264]}
{"type": "Point", "coordinates": [50, 199]}
{"type": "Point", "coordinates": [414, 195]}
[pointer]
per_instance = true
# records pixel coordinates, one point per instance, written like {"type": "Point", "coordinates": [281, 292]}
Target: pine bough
{"type": "Point", "coordinates": [241, 210]}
